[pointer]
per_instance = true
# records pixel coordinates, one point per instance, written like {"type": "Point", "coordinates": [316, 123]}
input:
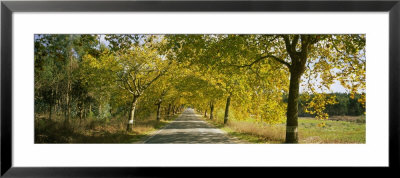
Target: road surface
{"type": "Point", "coordinates": [189, 128]}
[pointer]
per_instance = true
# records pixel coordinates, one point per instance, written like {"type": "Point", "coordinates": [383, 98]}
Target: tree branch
{"type": "Point", "coordinates": [125, 81]}
{"type": "Point", "coordinates": [294, 43]}
{"type": "Point", "coordinates": [287, 43]}
{"type": "Point", "coordinates": [281, 61]}
{"type": "Point", "coordinates": [125, 89]}
{"type": "Point", "coordinates": [154, 79]}
{"type": "Point", "coordinates": [133, 81]}
{"type": "Point", "coordinates": [267, 56]}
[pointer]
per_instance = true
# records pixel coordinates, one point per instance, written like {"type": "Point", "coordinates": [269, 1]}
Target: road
{"type": "Point", "coordinates": [189, 128]}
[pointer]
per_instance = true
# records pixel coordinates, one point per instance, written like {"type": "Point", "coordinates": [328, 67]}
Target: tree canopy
{"type": "Point", "coordinates": [247, 76]}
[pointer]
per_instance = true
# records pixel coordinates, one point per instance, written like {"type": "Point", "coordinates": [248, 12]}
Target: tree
{"type": "Point", "coordinates": [137, 69]}
{"type": "Point", "coordinates": [320, 54]}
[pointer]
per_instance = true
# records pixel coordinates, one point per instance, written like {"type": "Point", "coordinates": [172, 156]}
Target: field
{"type": "Point", "coordinates": [346, 129]}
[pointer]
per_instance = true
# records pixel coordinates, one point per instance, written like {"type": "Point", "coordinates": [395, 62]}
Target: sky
{"type": "Point", "coordinates": [335, 87]}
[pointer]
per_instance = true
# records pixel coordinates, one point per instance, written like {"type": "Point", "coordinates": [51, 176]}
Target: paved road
{"type": "Point", "coordinates": [189, 128]}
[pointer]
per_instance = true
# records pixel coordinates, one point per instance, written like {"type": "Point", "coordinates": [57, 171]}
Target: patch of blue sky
{"type": "Point", "coordinates": [103, 40]}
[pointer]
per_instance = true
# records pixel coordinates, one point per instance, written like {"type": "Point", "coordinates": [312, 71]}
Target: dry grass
{"type": "Point", "coordinates": [349, 131]}
{"type": "Point", "coordinates": [357, 119]}
{"type": "Point", "coordinates": [94, 130]}
{"type": "Point", "coordinates": [257, 133]}
{"type": "Point", "coordinates": [251, 131]}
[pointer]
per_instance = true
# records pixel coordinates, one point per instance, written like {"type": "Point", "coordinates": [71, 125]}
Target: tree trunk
{"type": "Point", "coordinates": [228, 102]}
{"type": "Point", "coordinates": [55, 102]}
{"type": "Point", "coordinates": [131, 121]}
{"type": "Point", "coordinates": [205, 113]}
{"type": "Point", "coordinates": [84, 112]}
{"type": "Point", "coordinates": [169, 108]}
{"type": "Point", "coordinates": [292, 108]}
{"type": "Point", "coordinates": [211, 111]}
{"type": "Point", "coordinates": [90, 108]}
{"type": "Point", "coordinates": [56, 107]}
{"type": "Point", "coordinates": [50, 109]}
{"type": "Point", "coordinates": [67, 110]}
{"type": "Point", "coordinates": [158, 111]}
{"type": "Point", "coordinates": [51, 104]}
{"type": "Point", "coordinates": [81, 111]}
{"type": "Point", "coordinates": [69, 88]}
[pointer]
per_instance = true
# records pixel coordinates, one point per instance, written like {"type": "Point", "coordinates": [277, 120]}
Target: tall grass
{"type": "Point", "coordinates": [255, 133]}
{"type": "Point", "coordinates": [92, 130]}
{"type": "Point", "coordinates": [340, 130]}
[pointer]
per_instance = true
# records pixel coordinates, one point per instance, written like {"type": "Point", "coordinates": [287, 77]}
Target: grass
{"type": "Point", "coordinates": [95, 130]}
{"type": "Point", "coordinates": [335, 131]}
{"type": "Point", "coordinates": [332, 132]}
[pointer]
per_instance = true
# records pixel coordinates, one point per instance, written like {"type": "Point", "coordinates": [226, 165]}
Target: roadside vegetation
{"type": "Point", "coordinates": [337, 129]}
{"type": "Point", "coordinates": [92, 130]}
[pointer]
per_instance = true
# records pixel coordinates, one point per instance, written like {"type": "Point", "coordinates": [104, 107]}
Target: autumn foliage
{"type": "Point", "coordinates": [136, 77]}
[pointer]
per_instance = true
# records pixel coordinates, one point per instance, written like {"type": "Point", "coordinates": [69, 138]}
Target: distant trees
{"type": "Point", "coordinates": [345, 105]}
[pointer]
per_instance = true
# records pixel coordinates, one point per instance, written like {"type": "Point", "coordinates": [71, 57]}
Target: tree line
{"type": "Point", "coordinates": [345, 105]}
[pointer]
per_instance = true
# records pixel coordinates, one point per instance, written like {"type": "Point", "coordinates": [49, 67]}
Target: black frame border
{"type": "Point", "coordinates": [8, 7]}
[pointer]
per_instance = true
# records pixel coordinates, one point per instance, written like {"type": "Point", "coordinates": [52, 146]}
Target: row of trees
{"type": "Point", "coordinates": [77, 76]}
{"type": "Point", "coordinates": [249, 74]}
{"type": "Point", "coordinates": [276, 65]}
